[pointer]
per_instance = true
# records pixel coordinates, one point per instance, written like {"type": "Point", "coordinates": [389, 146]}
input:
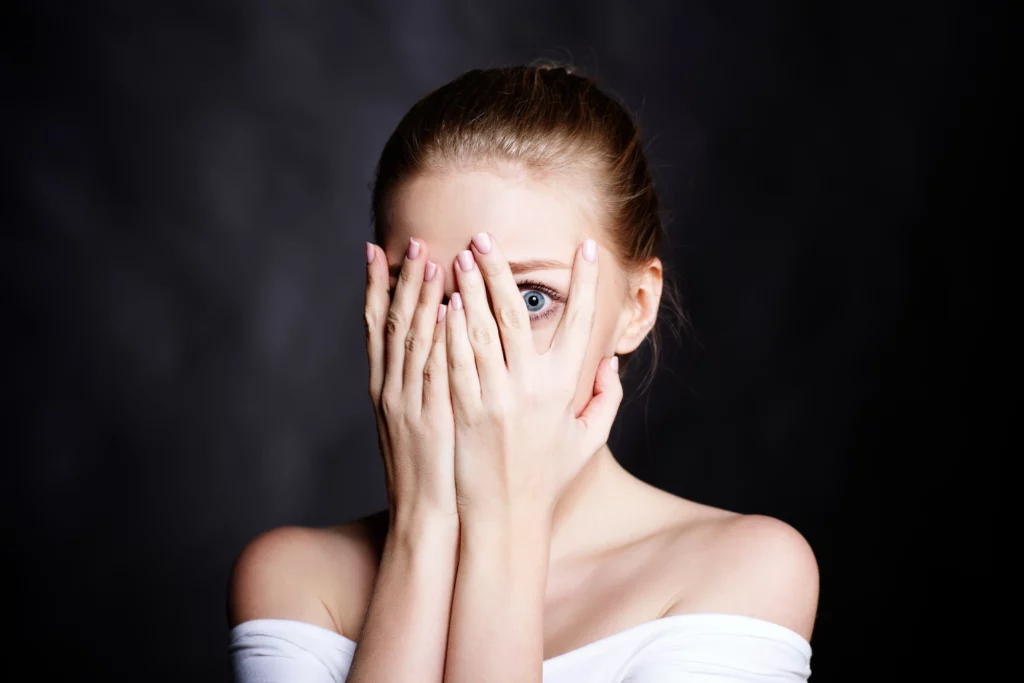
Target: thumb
{"type": "Point", "coordinates": [597, 418]}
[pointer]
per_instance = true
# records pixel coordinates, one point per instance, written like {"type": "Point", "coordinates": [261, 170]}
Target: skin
{"type": "Point", "coordinates": [509, 518]}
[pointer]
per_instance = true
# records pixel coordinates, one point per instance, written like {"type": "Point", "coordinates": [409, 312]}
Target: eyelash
{"type": "Point", "coordinates": [544, 289]}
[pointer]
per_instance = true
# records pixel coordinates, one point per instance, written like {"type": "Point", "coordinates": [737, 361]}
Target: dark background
{"type": "Point", "coordinates": [186, 202]}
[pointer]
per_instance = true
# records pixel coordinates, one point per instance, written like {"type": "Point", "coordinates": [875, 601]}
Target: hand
{"type": "Point", "coordinates": [405, 343]}
{"type": "Point", "coordinates": [518, 442]}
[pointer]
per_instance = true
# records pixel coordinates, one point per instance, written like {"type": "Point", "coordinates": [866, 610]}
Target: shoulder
{"type": "Point", "coordinates": [321, 576]}
{"type": "Point", "coordinates": [756, 566]}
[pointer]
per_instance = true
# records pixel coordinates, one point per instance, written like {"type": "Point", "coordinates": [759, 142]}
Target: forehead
{"type": "Point", "coordinates": [530, 217]}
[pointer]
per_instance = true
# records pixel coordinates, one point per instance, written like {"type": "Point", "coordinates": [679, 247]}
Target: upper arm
{"type": "Point", "coordinates": [764, 568]}
{"type": "Point", "coordinates": [317, 576]}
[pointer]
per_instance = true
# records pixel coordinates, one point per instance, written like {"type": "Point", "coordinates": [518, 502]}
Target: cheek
{"type": "Point", "coordinates": [543, 334]}
{"type": "Point", "coordinates": [604, 337]}
{"type": "Point", "coordinates": [600, 347]}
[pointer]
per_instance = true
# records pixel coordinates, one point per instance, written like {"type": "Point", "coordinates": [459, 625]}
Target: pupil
{"type": "Point", "coordinates": [534, 301]}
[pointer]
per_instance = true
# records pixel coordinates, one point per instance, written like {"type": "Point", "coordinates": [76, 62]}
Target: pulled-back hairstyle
{"type": "Point", "coordinates": [545, 119]}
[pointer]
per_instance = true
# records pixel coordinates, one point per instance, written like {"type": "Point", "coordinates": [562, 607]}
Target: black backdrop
{"type": "Point", "coordinates": [187, 198]}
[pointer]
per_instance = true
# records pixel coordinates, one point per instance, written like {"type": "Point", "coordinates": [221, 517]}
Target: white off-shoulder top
{"type": "Point", "coordinates": [683, 648]}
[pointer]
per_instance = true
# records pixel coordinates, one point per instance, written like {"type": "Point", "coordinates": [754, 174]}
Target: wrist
{"type": "Point", "coordinates": [419, 526]}
{"type": "Point", "coordinates": [499, 517]}
{"type": "Point", "coordinates": [520, 529]}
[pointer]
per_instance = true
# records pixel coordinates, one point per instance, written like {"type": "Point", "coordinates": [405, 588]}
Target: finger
{"type": "Point", "coordinates": [513, 320]}
{"type": "Point", "coordinates": [573, 334]}
{"type": "Point", "coordinates": [436, 394]}
{"type": "Point", "coordinates": [400, 314]}
{"type": "Point", "coordinates": [463, 380]}
{"type": "Point", "coordinates": [482, 330]}
{"type": "Point", "coordinates": [599, 414]}
{"type": "Point", "coordinates": [419, 339]}
{"type": "Point", "coordinates": [375, 314]}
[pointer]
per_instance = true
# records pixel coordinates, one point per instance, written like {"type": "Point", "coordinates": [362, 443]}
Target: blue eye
{"type": "Point", "coordinates": [535, 300]}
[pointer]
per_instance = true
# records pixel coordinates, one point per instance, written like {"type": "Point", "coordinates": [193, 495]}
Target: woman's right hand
{"type": "Point", "coordinates": [413, 587]}
{"type": "Point", "coordinates": [409, 385]}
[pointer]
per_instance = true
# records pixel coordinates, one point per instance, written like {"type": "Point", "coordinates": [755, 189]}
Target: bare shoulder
{"type": "Point", "coordinates": [321, 576]}
{"type": "Point", "coordinates": [752, 565]}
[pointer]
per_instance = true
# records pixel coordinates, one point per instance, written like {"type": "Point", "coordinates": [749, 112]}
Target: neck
{"type": "Point", "coordinates": [590, 511]}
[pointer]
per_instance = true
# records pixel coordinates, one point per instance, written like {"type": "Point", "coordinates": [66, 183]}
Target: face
{"type": "Point", "coordinates": [538, 224]}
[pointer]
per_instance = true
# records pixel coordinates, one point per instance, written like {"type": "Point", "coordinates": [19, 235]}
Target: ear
{"type": "Point", "coordinates": [641, 309]}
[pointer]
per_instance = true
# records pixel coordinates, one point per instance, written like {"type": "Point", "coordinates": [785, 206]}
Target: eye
{"type": "Point", "coordinates": [535, 300]}
{"type": "Point", "coordinates": [541, 300]}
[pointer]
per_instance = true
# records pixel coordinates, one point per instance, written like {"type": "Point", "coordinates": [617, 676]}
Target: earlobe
{"type": "Point", "coordinates": [642, 306]}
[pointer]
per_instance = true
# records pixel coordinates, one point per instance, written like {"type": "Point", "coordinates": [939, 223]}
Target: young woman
{"type": "Point", "coordinates": [518, 232]}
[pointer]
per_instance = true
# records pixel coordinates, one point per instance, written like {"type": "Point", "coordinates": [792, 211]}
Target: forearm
{"type": "Point", "coordinates": [405, 628]}
{"type": "Point", "coordinates": [497, 619]}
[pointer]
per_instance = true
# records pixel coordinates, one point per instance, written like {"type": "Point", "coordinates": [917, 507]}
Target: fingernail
{"type": "Point", "coordinates": [369, 253]}
{"type": "Point", "coordinates": [456, 301]}
{"type": "Point", "coordinates": [483, 242]}
{"type": "Point", "coordinates": [615, 363]}
{"type": "Point", "coordinates": [414, 249]}
{"type": "Point", "coordinates": [428, 272]}
{"type": "Point", "coordinates": [465, 260]}
{"type": "Point", "coordinates": [590, 250]}
{"type": "Point", "coordinates": [441, 311]}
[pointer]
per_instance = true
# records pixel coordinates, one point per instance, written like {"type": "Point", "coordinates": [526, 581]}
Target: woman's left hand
{"type": "Point", "coordinates": [518, 441]}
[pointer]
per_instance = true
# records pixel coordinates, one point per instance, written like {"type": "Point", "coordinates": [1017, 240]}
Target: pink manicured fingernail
{"type": "Point", "coordinates": [414, 249]}
{"type": "Point", "coordinates": [429, 271]}
{"type": "Point", "coordinates": [590, 250]}
{"type": "Point", "coordinates": [466, 260]}
{"type": "Point", "coordinates": [441, 312]}
{"type": "Point", "coordinates": [483, 242]}
{"type": "Point", "coordinates": [456, 301]}
{"type": "Point", "coordinates": [615, 363]}
{"type": "Point", "coordinates": [369, 253]}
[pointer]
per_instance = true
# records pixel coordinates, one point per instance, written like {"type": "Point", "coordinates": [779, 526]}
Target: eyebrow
{"type": "Point", "coordinates": [517, 267]}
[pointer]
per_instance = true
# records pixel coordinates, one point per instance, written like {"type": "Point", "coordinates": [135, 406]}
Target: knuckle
{"type": "Point", "coordinates": [458, 363]}
{"type": "Point", "coordinates": [468, 416]}
{"type": "Point", "coordinates": [412, 343]}
{"type": "Point", "coordinates": [511, 318]}
{"type": "Point", "coordinates": [581, 317]}
{"type": "Point", "coordinates": [435, 370]}
{"type": "Point", "coordinates": [429, 374]}
{"type": "Point", "coordinates": [492, 268]}
{"type": "Point", "coordinates": [481, 335]}
{"type": "Point", "coordinates": [389, 404]}
{"type": "Point", "coordinates": [394, 321]}
{"type": "Point", "coordinates": [370, 320]}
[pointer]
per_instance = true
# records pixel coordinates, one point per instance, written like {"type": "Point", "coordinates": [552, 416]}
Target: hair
{"type": "Point", "coordinates": [546, 119]}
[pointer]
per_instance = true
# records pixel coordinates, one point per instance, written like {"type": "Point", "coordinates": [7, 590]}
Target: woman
{"type": "Point", "coordinates": [515, 547]}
